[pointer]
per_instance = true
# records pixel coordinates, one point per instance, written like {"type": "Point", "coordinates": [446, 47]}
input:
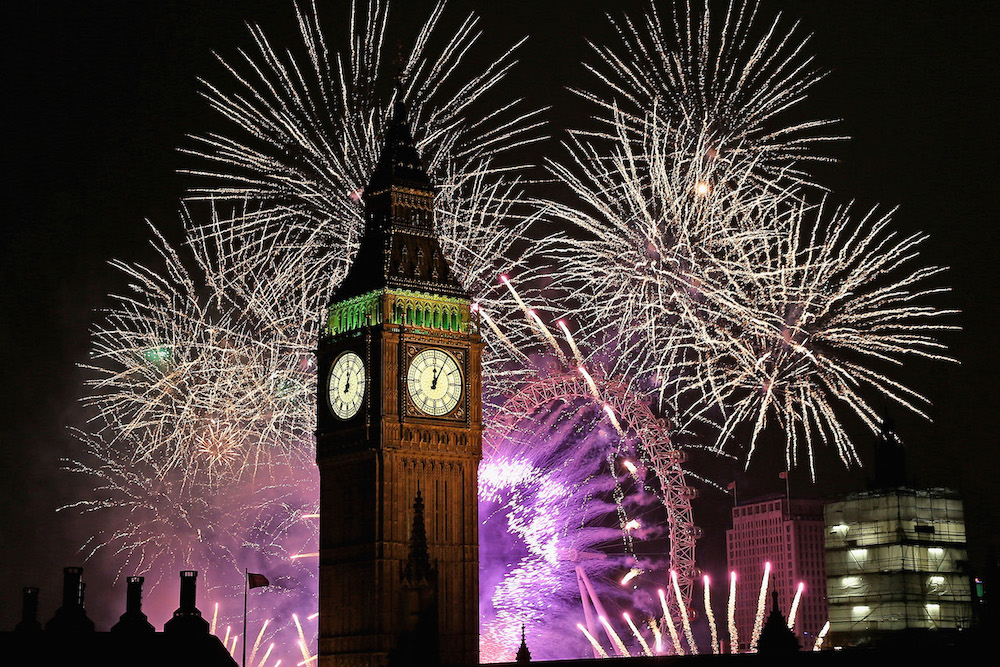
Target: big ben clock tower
{"type": "Point", "coordinates": [399, 438]}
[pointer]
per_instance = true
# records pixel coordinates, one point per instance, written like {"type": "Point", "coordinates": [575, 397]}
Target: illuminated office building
{"type": "Point", "coordinates": [788, 533]}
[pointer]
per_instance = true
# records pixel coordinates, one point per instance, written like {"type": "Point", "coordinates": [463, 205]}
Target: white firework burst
{"type": "Point", "coordinates": [728, 77]}
{"type": "Point", "coordinates": [731, 297]}
{"type": "Point", "coordinates": [308, 128]}
{"type": "Point", "coordinates": [834, 305]}
{"type": "Point", "coordinates": [207, 368]}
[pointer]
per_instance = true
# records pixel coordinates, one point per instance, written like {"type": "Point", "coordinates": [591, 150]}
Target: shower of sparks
{"type": "Point", "coordinates": [730, 79]}
{"type": "Point", "coordinates": [742, 307]}
{"type": "Point", "coordinates": [835, 299]}
{"type": "Point", "coordinates": [707, 285]}
{"type": "Point", "coordinates": [556, 511]}
{"type": "Point", "coordinates": [543, 474]}
{"type": "Point", "coordinates": [219, 386]}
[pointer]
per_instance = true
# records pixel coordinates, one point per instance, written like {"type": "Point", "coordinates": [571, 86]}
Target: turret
{"type": "Point", "coordinates": [133, 620]}
{"type": "Point", "coordinates": [71, 616]}
{"type": "Point", "coordinates": [187, 618]}
{"type": "Point", "coordinates": [29, 611]}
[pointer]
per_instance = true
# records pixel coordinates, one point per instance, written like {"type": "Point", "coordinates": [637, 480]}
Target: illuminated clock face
{"type": "Point", "coordinates": [434, 381]}
{"type": "Point", "coordinates": [346, 385]}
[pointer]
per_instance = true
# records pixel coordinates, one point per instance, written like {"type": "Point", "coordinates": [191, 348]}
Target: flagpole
{"type": "Point", "coordinates": [246, 579]}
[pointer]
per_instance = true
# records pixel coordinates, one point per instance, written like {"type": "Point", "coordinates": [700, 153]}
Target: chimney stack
{"type": "Point", "coordinates": [29, 612]}
{"type": "Point", "coordinates": [187, 618]}
{"type": "Point", "coordinates": [133, 620]}
{"type": "Point", "coordinates": [71, 616]}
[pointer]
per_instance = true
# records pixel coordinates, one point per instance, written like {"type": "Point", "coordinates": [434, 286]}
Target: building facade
{"type": "Point", "coordinates": [894, 560]}
{"type": "Point", "coordinates": [788, 534]}
{"type": "Point", "coordinates": [399, 438]}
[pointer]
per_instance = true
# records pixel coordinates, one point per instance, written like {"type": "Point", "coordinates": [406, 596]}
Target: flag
{"type": "Point", "coordinates": [783, 474]}
{"type": "Point", "coordinates": [731, 487]}
{"type": "Point", "coordinates": [257, 580]}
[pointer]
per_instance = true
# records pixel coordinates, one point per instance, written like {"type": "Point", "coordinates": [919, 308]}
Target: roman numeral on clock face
{"type": "Point", "coordinates": [434, 381]}
{"type": "Point", "coordinates": [346, 385]}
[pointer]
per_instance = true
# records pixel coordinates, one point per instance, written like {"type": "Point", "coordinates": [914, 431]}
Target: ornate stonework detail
{"type": "Point", "coordinates": [404, 261]}
{"type": "Point", "coordinates": [419, 310]}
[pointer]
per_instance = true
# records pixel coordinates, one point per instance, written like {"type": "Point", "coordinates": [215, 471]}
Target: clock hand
{"type": "Point", "coordinates": [434, 381]}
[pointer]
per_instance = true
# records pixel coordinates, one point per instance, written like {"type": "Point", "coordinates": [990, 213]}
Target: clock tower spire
{"type": "Point", "coordinates": [398, 418]}
{"type": "Point", "coordinates": [399, 249]}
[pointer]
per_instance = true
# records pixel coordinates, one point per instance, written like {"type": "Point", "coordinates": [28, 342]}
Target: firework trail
{"type": "Point", "coordinates": [685, 622]}
{"type": "Point", "coordinates": [598, 649]}
{"type": "Point", "coordinates": [758, 621]}
{"type": "Point", "coordinates": [711, 617]}
{"type": "Point", "coordinates": [637, 634]}
{"type": "Point", "coordinates": [256, 643]}
{"type": "Point", "coordinates": [620, 648]}
{"type": "Point", "coordinates": [668, 618]}
{"type": "Point", "coordinates": [821, 636]}
{"type": "Point", "coordinates": [734, 637]}
{"type": "Point", "coordinates": [795, 605]}
{"type": "Point", "coordinates": [657, 636]}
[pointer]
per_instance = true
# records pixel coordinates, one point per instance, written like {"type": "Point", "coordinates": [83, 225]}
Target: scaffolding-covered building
{"type": "Point", "coordinates": [894, 561]}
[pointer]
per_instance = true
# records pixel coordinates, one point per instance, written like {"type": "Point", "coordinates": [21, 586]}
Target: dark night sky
{"type": "Point", "coordinates": [102, 95]}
